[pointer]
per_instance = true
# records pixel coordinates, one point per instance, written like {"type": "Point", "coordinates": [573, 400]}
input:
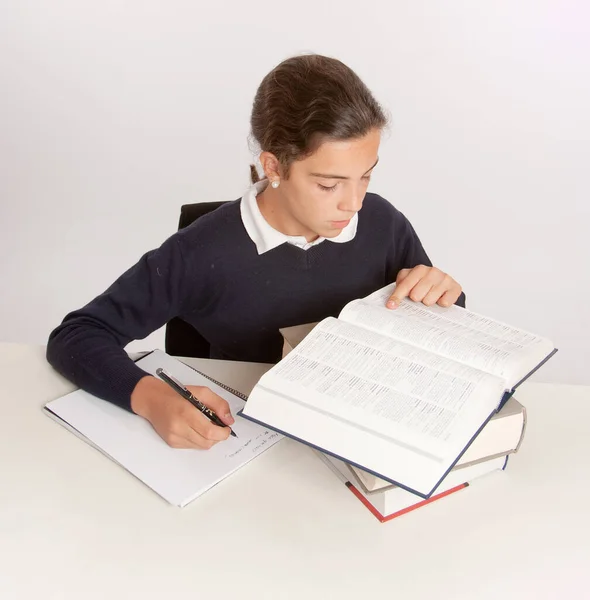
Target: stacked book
{"type": "Point", "coordinates": [406, 407]}
{"type": "Point", "coordinates": [488, 453]}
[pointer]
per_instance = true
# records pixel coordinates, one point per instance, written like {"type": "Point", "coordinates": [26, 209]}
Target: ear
{"type": "Point", "coordinates": [271, 165]}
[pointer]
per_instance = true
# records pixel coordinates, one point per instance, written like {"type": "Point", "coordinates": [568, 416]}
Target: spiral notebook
{"type": "Point", "coordinates": [220, 384]}
{"type": "Point", "coordinates": [179, 476]}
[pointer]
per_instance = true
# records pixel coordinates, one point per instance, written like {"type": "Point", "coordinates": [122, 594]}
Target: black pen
{"type": "Point", "coordinates": [187, 395]}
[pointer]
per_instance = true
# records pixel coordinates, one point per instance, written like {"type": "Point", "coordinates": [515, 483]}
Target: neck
{"type": "Point", "coordinates": [273, 206]}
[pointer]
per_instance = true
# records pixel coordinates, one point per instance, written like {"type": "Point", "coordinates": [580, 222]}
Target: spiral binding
{"type": "Point", "coordinates": [220, 384]}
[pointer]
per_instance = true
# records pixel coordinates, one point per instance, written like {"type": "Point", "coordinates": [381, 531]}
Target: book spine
{"type": "Point", "coordinates": [524, 423]}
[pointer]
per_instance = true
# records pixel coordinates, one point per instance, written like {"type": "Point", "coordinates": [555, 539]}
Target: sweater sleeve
{"type": "Point", "coordinates": [408, 252]}
{"type": "Point", "coordinates": [88, 346]}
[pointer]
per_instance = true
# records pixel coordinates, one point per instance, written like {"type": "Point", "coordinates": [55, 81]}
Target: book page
{"type": "Point", "coordinates": [410, 396]}
{"type": "Point", "coordinates": [454, 333]}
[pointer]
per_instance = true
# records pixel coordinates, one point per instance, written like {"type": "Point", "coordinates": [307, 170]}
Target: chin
{"type": "Point", "coordinates": [330, 233]}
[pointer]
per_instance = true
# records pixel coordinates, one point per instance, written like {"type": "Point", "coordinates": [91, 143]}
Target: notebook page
{"type": "Point", "coordinates": [178, 475]}
{"type": "Point", "coordinates": [455, 333]}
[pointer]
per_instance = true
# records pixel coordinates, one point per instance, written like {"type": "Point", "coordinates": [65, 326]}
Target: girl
{"type": "Point", "coordinates": [294, 249]}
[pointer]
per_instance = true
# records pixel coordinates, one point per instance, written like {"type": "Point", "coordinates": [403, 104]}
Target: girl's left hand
{"type": "Point", "coordinates": [428, 285]}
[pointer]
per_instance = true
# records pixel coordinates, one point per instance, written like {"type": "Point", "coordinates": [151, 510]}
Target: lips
{"type": "Point", "coordinates": [340, 224]}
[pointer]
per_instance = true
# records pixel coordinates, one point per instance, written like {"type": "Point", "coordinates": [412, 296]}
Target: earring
{"type": "Point", "coordinates": [275, 184]}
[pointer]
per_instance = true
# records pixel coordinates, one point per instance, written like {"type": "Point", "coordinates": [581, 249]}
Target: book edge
{"type": "Point", "coordinates": [424, 495]}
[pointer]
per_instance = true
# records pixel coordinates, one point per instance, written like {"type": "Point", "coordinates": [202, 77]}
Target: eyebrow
{"type": "Point", "coordinates": [327, 176]}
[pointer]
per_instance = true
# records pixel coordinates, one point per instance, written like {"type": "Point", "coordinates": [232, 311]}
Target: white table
{"type": "Point", "coordinates": [75, 525]}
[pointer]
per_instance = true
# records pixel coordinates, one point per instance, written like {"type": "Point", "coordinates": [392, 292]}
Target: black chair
{"type": "Point", "coordinates": [183, 339]}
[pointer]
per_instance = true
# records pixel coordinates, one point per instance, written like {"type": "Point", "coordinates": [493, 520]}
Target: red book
{"type": "Point", "coordinates": [388, 503]}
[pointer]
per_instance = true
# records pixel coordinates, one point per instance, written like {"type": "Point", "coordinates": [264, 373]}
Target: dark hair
{"type": "Point", "coordinates": [309, 99]}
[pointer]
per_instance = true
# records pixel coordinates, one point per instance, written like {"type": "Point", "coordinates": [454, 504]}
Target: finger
{"type": "Point", "coordinates": [450, 296]}
{"type": "Point", "coordinates": [405, 286]}
{"type": "Point", "coordinates": [402, 275]}
{"type": "Point", "coordinates": [187, 438]}
{"type": "Point", "coordinates": [421, 289]}
{"type": "Point", "coordinates": [216, 403]}
{"type": "Point", "coordinates": [435, 294]}
{"type": "Point", "coordinates": [432, 278]}
{"type": "Point", "coordinates": [203, 427]}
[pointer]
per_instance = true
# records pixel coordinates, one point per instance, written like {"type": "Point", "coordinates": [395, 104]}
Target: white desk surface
{"type": "Point", "coordinates": [73, 524]}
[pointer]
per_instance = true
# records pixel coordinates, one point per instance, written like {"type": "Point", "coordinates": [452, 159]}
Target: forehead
{"type": "Point", "coordinates": [346, 157]}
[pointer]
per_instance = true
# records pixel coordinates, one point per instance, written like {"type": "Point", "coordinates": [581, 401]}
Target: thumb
{"type": "Point", "coordinates": [216, 403]}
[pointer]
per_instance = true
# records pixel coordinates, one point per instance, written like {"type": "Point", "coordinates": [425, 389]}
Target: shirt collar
{"type": "Point", "coordinates": [266, 237]}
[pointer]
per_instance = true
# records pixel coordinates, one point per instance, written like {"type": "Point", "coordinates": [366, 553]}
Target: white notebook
{"type": "Point", "coordinates": [179, 476]}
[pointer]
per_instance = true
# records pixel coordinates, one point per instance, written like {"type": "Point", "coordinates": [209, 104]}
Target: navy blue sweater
{"type": "Point", "coordinates": [210, 275]}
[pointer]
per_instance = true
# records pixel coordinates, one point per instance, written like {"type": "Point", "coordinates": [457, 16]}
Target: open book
{"type": "Point", "coordinates": [399, 393]}
{"type": "Point", "coordinates": [502, 436]}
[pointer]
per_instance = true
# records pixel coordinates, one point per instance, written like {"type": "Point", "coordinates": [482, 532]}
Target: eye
{"type": "Point", "coordinates": [326, 188]}
{"type": "Point", "coordinates": [367, 178]}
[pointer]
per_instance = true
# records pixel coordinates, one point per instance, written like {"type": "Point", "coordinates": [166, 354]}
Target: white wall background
{"type": "Point", "coordinates": [113, 114]}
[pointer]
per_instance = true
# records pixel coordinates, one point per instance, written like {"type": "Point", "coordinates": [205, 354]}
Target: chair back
{"type": "Point", "coordinates": [181, 338]}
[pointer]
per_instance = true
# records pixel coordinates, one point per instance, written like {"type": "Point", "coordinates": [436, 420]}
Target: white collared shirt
{"type": "Point", "coordinates": [267, 237]}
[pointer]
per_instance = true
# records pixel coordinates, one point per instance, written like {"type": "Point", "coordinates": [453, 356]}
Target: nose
{"type": "Point", "coordinates": [353, 202]}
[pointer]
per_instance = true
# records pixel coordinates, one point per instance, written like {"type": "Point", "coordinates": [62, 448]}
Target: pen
{"type": "Point", "coordinates": [187, 395]}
